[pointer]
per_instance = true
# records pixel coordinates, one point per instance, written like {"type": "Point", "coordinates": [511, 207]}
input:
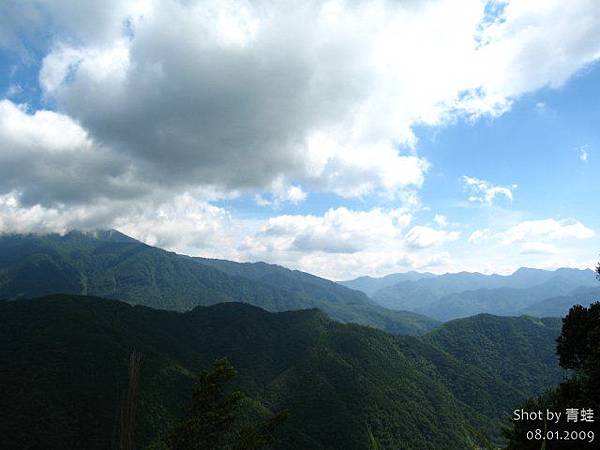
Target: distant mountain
{"type": "Point", "coordinates": [62, 354]}
{"type": "Point", "coordinates": [411, 295]}
{"type": "Point", "coordinates": [559, 306]}
{"type": "Point", "coordinates": [370, 285]}
{"type": "Point", "coordinates": [504, 301]}
{"type": "Point", "coordinates": [461, 294]}
{"type": "Point", "coordinates": [110, 264]}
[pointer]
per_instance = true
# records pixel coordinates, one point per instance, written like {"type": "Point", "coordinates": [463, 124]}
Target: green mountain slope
{"type": "Point", "coordinates": [559, 306]}
{"type": "Point", "coordinates": [110, 264]}
{"type": "Point", "coordinates": [64, 361]}
{"type": "Point", "coordinates": [518, 350]}
{"type": "Point", "coordinates": [341, 303]}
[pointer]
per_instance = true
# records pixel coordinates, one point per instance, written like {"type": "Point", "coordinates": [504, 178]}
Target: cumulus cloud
{"type": "Point", "coordinates": [481, 191]}
{"type": "Point", "coordinates": [47, 158]}
{"type": "Point", "coordinates": [546, 243]}
{"type": "Point", "coordinates": [343, 242]}
{"type": "Point", "coordinates": [323, 93]}
{"type": "Point", "coordinates": [425, 237]}
{"type": "Point", "coordinates": [547, 230]}
{"type": "Point", "coordinates": [339, 230]}
{"type": "Point", "coordinates": [204, 104]}
{"type": "Point", "coordinates": [378, 262]}
{"type": "Point", "coordinates": [281, 192]}
{"type": "Point", "coordinates": [167, 105]}
{"type": "Point", "coordinates": [15, 218]}
{"type": "Point", "coordinates": [536, 234]}
{"type": "Point", "coordinates": [185, 224]}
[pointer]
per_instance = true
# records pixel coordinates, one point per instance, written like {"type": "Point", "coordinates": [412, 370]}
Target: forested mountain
{"type": "Point", "coordinates": [61, 354]}
{"type": "Point", "coordinates": [504, 301]}
{"type": "Point", "coordinates": [110, 264]}
{"type": "Point", "coordinates": [370, 285]}
{"type": "Point", "coordinates": [518, 350]}
{"type": "Point", "coordinates": [454, 295]}
{"type": "Point", "coordinates": [559, 306]}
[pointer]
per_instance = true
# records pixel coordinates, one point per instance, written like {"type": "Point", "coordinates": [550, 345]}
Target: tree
{"type": "Point", "coordinates": [579, 342]}
{"type": "Point", "coordinates": [578, 348]}
{"type": "Point", "coordinates": [216, 417]}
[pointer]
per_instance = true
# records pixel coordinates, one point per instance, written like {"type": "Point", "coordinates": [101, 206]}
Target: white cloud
{"type": "Point", "coordinates": [481, 191]}
{"type": "Point", "coordinates": [441, 220]}
{"type": "Point", "coordinates": [18, 218]}
{"type": "Point", "coordinates": [535, 234]}
{"type": "Point", "coordinates": [583, 153]}
{"type": "Point", "coordinates": [292, 116]}
{"type": "Point", "coordinates": [47, 158]}
{"type": "Point", "coordinates": [379, 262]}
{"type": "Point", "coordinates": [547, 243]}
{"type": "Point", "coordinates": [351, 169]}
{"type": "Point", "coordinates": [282, 192]}
{"type": "Point", "coordinates": [343, 243]}
{"type": "Point", "coordinates": [339, 230]}
{"type": "Point", "coordinates": [324, 94]}
{"type": "Point", "coordinates": [425, 237]}
{"type": "Point", "coordinates": [539, 248]}
{"type": "Point", "coordinates": [547, 230]}
{"type": "Point", "coordinates": [185, 224]}
{"type": "Point", "coordinates": [480, 235]}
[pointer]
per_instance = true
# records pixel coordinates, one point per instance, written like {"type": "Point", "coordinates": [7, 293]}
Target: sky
{"type": "Point", "coordinates": [342, 138]}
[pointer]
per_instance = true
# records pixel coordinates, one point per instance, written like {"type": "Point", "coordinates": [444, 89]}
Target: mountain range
{"type": "Point", "coordinates": [346, 366]}
{"type": "Point", "coordinates": [370, 285]}
{"type": "Point", "coordinates": [64, 361]}
{"type": "Point", "coordinates": [113, 265]}
{"type": "Point", "coordinates": [454, 295]}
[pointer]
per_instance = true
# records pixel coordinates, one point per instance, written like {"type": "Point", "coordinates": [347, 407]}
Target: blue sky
{"type": "Point", "coordinates": [340, 138]}
{"type": "Point", "coordinates": [537, 145]}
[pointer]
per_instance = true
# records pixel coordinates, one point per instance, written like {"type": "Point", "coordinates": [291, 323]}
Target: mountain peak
{"type": "Point", "coordinates": [108, 235]}
{"type": "Point", "coordinates": [523, 270]}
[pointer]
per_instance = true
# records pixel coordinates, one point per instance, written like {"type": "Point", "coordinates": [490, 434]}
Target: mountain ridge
{"type": "Point", "coordinates": [335, 379]}
{"type": "Point", "coordinates": [110, 264]}
{"type": "Point", "coordinates": [462, 294]}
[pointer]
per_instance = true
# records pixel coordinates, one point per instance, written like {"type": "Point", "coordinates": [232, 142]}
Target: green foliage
{"type": "Point", "coordinates": [373, 442]}
{"type": "Point", "coordinates": [481, 441]}
{"type": "Point", "coordinates": [62, 354]}
{"type": "Point", "coordinates": [518, 350]}
{"type": "Point", "coordinates": [578, 350]}
{"type": "Point", "coordinates": [213, 418]}
{"type": "Point", "coordinates": [578, 344]}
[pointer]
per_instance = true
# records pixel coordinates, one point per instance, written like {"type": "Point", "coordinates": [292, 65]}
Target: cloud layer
{"type": "Point", "coordinates": [151, 110]}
